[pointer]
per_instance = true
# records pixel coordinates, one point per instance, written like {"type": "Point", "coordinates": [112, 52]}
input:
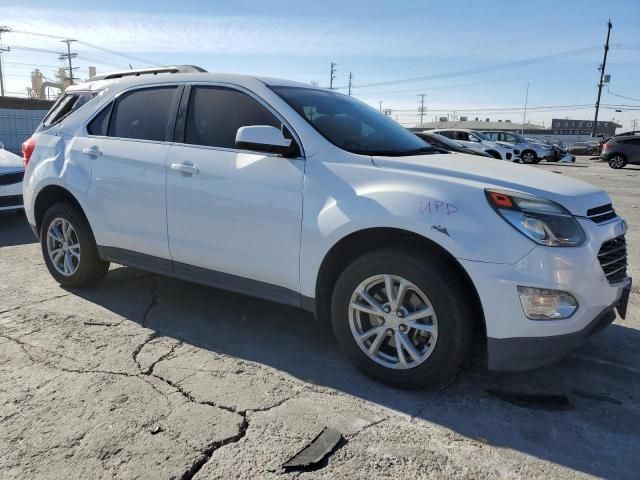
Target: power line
{"type": "Point", "coordinates": [502, 66]}
{"type": "Point", "coordinates": [92, 45]}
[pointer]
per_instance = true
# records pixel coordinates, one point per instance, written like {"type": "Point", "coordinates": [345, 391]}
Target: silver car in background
{"type": "Point", "coordinates": [529, 152]}
{"type": "Point", "coordinates": [478, 141]}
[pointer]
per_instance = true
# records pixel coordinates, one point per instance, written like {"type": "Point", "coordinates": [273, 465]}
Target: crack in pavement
{"type": "Point", "coordinates": [44, 300]}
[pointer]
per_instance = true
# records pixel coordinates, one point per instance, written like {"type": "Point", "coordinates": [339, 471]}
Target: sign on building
{"type": "Point", "coordinates": [581, 127]}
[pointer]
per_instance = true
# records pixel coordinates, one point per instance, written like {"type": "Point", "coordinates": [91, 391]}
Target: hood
{"type": "Point", "coordinates": [10, 162]}
{"type": "Point", "coordinates": [575, 195]}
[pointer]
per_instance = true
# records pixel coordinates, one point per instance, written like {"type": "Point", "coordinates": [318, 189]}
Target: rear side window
{"type": "Point", "coordinates": [215, 114]}
{"type": "Point", "coordinates": [141, 114]}
{"type": "Point", "coordinates": [100, 124]}
{"type": "Point", "coordinates": [65, 106]}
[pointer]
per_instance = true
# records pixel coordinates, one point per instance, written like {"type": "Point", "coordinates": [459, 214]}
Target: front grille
{"type": "Point", "coordinates": [601, 214]}
{"type": "Point", "coordinates": [508, 156]}
{"type": "Point", "coordinates": [613, 259]}
{"type": "Point", "coordinates": [11, 201]}
{"type": "Point", "coordinates": [11, 178]}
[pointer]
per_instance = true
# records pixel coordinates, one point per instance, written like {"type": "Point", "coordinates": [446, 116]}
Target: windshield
{"type": "Point", "coordinates": [481, 136]}
{"type": "Point", "coordinates": [352, 125]}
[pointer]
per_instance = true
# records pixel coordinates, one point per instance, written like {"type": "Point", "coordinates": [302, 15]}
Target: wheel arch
{"type": "Point", "coordinates": [356, 243]}
{"type": "Point", "coordinates": [48, 196]}
{"type": "Point", "coordinates": [494, 153]}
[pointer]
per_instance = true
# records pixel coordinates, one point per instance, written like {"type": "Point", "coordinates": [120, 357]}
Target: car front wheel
{"type": "Point", "coordinates": [69, 248]}
{"type": "Point", "coordinates": [617, 161]}
{"type": "Point", "coordinates": [528, 157]}
{"type": "Point", "coordinates": [402, 318]}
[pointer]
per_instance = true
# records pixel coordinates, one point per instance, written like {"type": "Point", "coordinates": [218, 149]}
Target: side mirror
{"type": "Point", "coordinates": [264, 138]}
{"type": "Point", "coordinates": [473, 139]}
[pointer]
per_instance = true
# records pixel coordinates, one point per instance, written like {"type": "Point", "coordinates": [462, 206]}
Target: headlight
{"type": "Point", "coordinates": [543, 221]}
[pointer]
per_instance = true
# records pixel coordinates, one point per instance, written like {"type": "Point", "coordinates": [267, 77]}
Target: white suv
{"type": "Point", "coordinates": [311, 198]}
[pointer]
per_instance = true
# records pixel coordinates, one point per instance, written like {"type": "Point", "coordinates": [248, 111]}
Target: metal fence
{"type": "Point", "coordinates": [18, 125]}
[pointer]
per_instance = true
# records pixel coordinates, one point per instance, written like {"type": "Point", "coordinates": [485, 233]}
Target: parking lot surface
{"type": "Point", "coordinates": [151, 377]}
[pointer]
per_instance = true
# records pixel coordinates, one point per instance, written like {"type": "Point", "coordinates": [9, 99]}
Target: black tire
{"type": "Point", "coordinates": [529, 157]}
{"type": "Point", "coordinates": [441, 283]}
{"type": "Point", "coordinates": [617, 161]}
{"type": "Point", "coordinates": [91, 268]}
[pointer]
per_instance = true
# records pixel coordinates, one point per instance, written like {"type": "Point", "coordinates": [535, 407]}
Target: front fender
{"type": "Point", "coordinates": [454, 215]}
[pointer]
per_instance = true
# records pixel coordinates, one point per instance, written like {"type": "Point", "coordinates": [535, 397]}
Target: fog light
{"type": "Point", "coordinates": [544, 304]}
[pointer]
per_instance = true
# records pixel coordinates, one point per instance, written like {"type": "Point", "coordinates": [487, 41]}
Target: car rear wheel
{"type": "Point", "coordinates": [528, 157]}
{"type": "Point", "coordinates": [68, 247]}
{"type": "Point", "coordinates": [402, 318]}
{"type": "Point", "coordinates": [617, 161]}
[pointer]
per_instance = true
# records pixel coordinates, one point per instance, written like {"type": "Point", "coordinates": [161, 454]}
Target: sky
{"type": "Point", "coordinates": [467, 57]}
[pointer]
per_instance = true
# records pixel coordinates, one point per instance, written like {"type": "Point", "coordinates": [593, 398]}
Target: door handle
{"type": "Point", "coordinates": [93, 151]}
{"type": "Point", "coordinates": [186, 168]}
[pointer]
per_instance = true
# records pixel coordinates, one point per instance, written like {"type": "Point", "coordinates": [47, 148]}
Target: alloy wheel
{"type": "Point", "coordinates": [393, 321]}
{"type": "Point", "coordinates": [63, 246]}
{"type": "Point", "coordinates": [616, 161]}
{"type": "Point", "coordinates": [528, 157]}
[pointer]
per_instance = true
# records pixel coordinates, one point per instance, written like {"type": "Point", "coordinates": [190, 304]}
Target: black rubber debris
{"type": "Point", "coordinates": [315, 455]}
{"type": "Point", "coordinates": [596, 396]}
{"type": "Point", "coordinates": [539, 401]}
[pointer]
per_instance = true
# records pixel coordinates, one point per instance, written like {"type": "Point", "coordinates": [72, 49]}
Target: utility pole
{"type": "Point", "coordinates": [3, 29]}
{"type": "Point", "coordinates": [602, 67]}
{"type": "Point", "coordinates": [332, 77]}
{"type": "Point", "coordinates": [350, 82]}
{"type": "Point", "coordinates": [526, 100]}
{"type": "Point", "coordinates": [380, 106]}
{"type": "Point", "coordinates": [635, 124]}
{"type": "Point", "coordinates": [421, 109]}
{"type": "Point", "coordinates": [68, 56]}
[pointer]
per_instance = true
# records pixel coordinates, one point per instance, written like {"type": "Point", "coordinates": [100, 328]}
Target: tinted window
{"type": "Point", "coordinates": [350, 124]}
{"type": "Point", "coordinates": [142, 114]}
{"type": "Point", "coordinates": [464, 136]}
{"type": "Point", "coordinates": [632, 141]}
{"type": "Point", "coordinates": [215, 114]}
{"type": "Point", "coordinates": [100, 123]}
{"type": "Point", "coordinates": [448, 133]}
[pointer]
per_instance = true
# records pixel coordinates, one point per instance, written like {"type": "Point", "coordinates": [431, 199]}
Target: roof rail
{"type": "Point", "coordinates": [624, 134]}
{"type": "Point", "coordinates": [149, 71]}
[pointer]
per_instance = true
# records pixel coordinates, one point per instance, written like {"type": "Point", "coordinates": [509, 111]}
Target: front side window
{"type": "Point", "coordinates": [350, 124]}
{"type": "Point", "coordinates": [142, 114]}
{"type": "Point", "coordinates": [215, 114]}
{"type": "Point", "coordinates": [464, 136]}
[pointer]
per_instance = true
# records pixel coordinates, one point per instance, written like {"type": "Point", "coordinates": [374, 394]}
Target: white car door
{"type": "Point", "coordinates": [127, 148]}
{"type": "Point", "coordinates": [234, 216]}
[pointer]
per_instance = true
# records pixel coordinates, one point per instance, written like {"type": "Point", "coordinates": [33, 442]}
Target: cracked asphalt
{"type": "Point", "coordinates": [151, 377]}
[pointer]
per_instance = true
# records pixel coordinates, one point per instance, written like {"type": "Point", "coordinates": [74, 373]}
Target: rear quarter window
{"type": "Point", "coordinates": [65, 106]}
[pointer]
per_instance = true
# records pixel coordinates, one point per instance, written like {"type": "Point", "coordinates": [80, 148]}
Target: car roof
{"type": "Point", "coordinates": [100, 82]}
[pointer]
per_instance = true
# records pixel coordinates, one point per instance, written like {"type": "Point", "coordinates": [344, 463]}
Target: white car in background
{"type": "Point", "coordinates": [530, 151]}
{"type": "Point", "coordinates": [311, 198]}
{"type": "Point", "coordinates": [479, 141]}
{"type": "Point", "coordinates": [11, 173]}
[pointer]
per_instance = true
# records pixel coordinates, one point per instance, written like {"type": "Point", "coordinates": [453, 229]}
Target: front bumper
{"type": "Point", "coordinates": [11, 197]}
{"type": "Point", "coordinates": [518, 343]}
{"type": "Point", "coordinates": [526, 353]}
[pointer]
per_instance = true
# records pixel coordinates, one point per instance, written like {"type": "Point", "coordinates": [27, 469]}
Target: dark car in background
{"type": "Point", "coordinates": [584, 148]}
{"type": "Point", "coordinates": [621, 151]}
{"type": "Point", "coordinates": [449, 145]}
